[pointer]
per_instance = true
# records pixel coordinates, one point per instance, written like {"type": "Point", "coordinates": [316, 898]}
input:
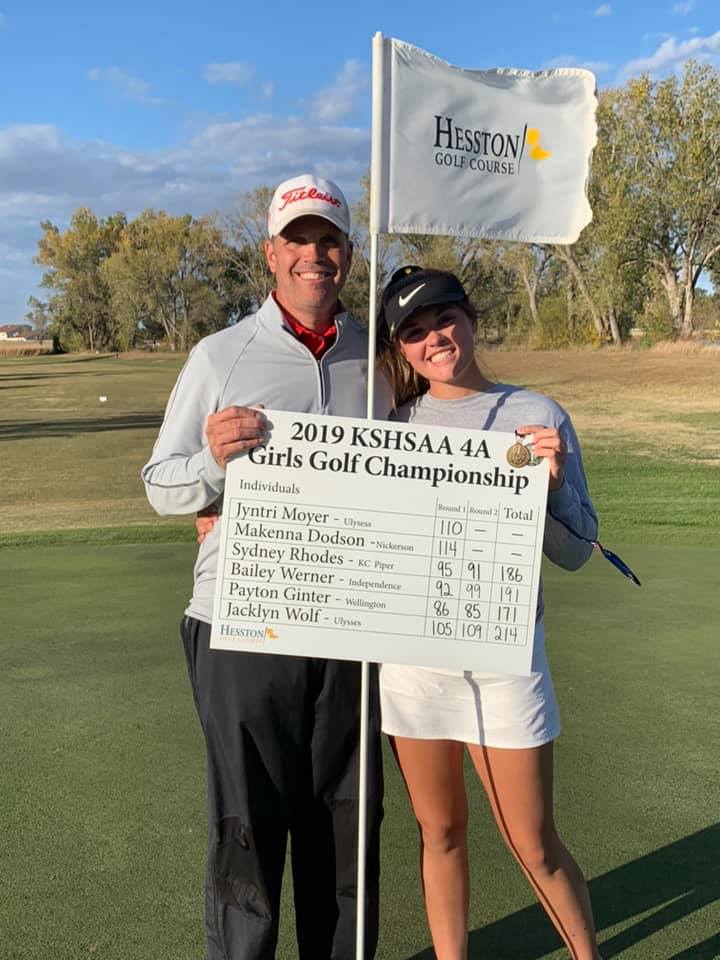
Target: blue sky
{"type": "Point", "coordinates": [182, 106]}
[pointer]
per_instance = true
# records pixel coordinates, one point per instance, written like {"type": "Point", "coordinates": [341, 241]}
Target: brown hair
{"type": "Point", "coordinates": [405, 383]}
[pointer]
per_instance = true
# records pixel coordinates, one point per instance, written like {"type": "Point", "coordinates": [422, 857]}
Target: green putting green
{"type": "Point", "coordinates": [103, 780]}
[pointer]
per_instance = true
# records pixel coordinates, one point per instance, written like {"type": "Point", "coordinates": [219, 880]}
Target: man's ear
{"type": "Point", "coordinates": [349, 253]}
{"type": "Point", "coordinates": [270, 255]}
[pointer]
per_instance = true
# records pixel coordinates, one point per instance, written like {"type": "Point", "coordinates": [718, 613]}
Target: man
{"type": "Point", "coordinates": [282, 733]}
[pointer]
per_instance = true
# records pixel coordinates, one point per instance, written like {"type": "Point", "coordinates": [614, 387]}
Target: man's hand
{"type": "Point", "coordinates": [546, 442]}
{"type": "Point", "coordinates": [232, 430]}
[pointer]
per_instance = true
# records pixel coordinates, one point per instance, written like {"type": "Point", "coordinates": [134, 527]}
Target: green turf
{"type": "Point", "coordinates": [102, 791]}
{"type": "Point", "coordinates": [653, 501]}
{"type": "Point", "coordinates": [103, 771]}
{"type": "Point", "coordinates": [178, 532]}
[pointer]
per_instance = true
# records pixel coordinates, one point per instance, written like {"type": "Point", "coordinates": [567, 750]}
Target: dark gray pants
{"type": "Point", "coordinates": [282, 737]}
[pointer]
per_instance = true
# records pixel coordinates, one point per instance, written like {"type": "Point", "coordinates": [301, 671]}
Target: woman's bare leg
{"type": "Point", "coordinates": [433, 774]}
{"type": "Point", "coordinates": [519, 785]}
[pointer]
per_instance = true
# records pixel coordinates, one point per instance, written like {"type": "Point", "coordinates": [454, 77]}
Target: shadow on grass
{"type": "Point", "coordinates": [669, 884]}
{"type": "Point", "coordinates": [55, 358]}
{"type": "Point", "coordinates": [11, 378]}
{"type": "Point", "coordinates": [30, 429]}
{"type": "Point", "coordinates": [707, 950]}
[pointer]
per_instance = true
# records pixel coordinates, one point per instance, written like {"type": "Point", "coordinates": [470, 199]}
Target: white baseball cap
{"type": "Point", "coordinates": [307, 195]}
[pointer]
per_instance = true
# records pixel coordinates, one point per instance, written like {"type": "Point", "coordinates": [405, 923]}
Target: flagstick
{"type": "Point", "coordinates": [372, 323]}
{"type": "Point", "coordinates": [362, 811]}
{"type": "Point", "coordinates": [365, 666]}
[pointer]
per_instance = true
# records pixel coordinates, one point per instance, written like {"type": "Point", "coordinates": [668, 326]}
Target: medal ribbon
{"type": "Point", "coordinates": [614, 559]}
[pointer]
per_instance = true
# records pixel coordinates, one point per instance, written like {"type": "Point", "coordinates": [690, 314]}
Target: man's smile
{"type": "Point", "coordinates": [313, 274]}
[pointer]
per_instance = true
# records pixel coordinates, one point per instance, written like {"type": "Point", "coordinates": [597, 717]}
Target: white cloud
{"type": "Point", "coordinates": [49, 174]}
{"type": "Point", "coordinates": [672, 53]}
{"type": "Point", "coordinates": [684, 8]}
{"type": "Point", "coordinates": [604, 10]}
{"type": "Point", "coordinates": [125, 84]}
{"type": "Point", "coordinates": [19, 276]}
{"type": "Point", "coordinates": [342, 98]}
{"type": "Point", "coordinates": [267, 90]}
{"type": "Point", "coordinates": [3, 20]}
{"type": "Point", "coordinates": [46, 175]}
{"type": "Point", "coordinates": [655, 37]}
{"type": "Point", "coordinates": [11, 255]}
{"type": "Point", "coordinates": [235, 72]}
{"type": "Point", "coordinates": [596, 66]}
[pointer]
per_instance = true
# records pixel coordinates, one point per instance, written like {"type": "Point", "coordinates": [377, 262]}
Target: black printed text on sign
{"type": "Point", "coordinates": [387, 542]}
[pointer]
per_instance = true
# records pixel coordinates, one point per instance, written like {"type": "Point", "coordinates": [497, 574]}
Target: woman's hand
{"type": "Point", "coordinates": [205, 521]}
{"type": "Point", "coordinates": [546, 442]}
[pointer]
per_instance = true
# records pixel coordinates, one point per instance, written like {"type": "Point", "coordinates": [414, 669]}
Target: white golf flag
{"type": "Point", "coordinates": [502, 154]}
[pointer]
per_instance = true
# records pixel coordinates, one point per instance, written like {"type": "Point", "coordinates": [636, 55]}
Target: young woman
{"type": "Point", "coordinates": [506, 723]}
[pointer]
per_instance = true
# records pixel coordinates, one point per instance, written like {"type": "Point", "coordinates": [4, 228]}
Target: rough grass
{"type": "Point", "coordinates": [675, 347]}
{"type": "Point", "coordinates": [27, 348]}
{"type": "Point", "coordinates": [72, 462]}
{"type": "Point", "coordinates": [659, 405]}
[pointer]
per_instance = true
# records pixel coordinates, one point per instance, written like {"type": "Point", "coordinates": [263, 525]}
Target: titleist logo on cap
{"type": "Point", "coordinates": [301, 193]}
{"type": "Point", "coordinates": [308, 196]}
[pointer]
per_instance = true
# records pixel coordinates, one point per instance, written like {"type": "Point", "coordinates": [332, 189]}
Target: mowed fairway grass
{"type": "Point", "coordinates": [102, 829]}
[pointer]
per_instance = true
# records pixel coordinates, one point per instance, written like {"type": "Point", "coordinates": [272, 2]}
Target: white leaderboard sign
{"type": "Point", "coordinates": [387, 542]}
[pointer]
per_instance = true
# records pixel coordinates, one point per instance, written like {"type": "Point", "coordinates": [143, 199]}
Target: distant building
{"type": "Point", "coordinates": [15, 331]}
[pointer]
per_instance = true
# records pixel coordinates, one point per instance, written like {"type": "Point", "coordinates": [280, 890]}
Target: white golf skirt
{"type": "Point", "coordinates": [495, 710]}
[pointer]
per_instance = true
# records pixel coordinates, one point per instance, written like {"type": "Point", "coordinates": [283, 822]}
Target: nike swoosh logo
{"type": "Point", "coordinates": [403, 300]}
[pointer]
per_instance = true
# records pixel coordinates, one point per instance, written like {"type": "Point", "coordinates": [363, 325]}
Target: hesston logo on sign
{"type": "Point", "coordinates": [302, 193]}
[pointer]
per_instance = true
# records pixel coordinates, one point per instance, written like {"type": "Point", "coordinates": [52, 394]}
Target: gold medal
{"type": "Point", "coordinates": [518, 455]}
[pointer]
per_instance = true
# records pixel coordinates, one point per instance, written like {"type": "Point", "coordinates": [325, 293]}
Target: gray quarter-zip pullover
{"type": "Point", "coordinates": [259, 360]}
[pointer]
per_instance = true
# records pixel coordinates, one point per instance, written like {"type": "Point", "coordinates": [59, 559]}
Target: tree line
{"type": "Point", "coordinates": [654, 187]}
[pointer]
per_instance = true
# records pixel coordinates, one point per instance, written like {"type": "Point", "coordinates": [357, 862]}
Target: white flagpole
{"type": "Point", "coordinates": [377, 173]}
{"type": "Point", "coordinates": [377, 121]}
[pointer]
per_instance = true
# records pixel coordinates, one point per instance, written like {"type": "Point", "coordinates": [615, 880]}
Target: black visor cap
{"type": "Point", "coordinates": [411, 289]}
